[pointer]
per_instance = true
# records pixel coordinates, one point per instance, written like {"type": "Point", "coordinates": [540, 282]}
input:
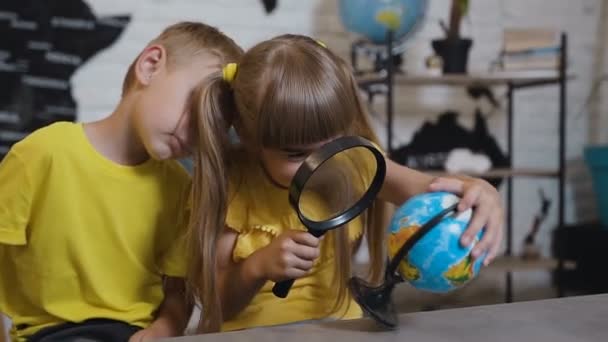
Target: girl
{"type": "Point", "coordinates": [91, 214]}
{"type": "Point", "coordinates": [294, 95]}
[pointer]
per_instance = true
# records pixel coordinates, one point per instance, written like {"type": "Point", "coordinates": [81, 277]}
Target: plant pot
{"type": "Point", "coordinates": [454, 53]}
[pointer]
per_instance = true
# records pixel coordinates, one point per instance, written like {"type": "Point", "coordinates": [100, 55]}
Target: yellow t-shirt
{"type": "Point", "coordinates": [259, 211]}
{"type": "Point", "coordinates": [82, 237]}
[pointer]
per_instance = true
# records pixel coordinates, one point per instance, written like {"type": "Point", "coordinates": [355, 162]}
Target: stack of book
{"type": "Point", "coordinates": [530, 49]}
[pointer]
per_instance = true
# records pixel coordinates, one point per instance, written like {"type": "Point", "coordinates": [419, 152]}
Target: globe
{"type": "Point", "coordinates": [437, 262]}
{"type": "Point", "coordinates": [372, 18]}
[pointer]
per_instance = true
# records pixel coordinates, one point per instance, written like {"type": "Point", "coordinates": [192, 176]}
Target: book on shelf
{"type": "Point", "coordinates": [530, 63]}
{"type": "Point", "coordinates": [530, 49]}
{"type": "Point", "coordinates": [525, 39]}
{"type": "Point", "coordinates": [536, 52]}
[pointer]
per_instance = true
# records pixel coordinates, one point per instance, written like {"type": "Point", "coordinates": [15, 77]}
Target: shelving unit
{"type": "Point", "coordinates": [383, 82]}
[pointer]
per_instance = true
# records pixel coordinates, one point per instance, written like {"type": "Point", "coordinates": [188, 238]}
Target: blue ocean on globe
{"type": "Point", "coordinates": [437, 262]}
{"type": "Point", "coordinates": [370, 18]}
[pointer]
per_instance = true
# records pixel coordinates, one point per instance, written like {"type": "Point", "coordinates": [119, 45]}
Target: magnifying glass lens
{"type": "Point", "coordinates": [337, 184]}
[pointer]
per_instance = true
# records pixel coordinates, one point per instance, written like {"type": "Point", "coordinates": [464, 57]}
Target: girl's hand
{"type": "Point", "coordinates": [289, 256]}
{"type": "Point", "coordinates": [488, 212]}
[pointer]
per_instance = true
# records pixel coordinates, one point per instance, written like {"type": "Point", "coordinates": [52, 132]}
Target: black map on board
{"type": "Point", "coordinates": [269, 5]}
{"type": "Point", "coordinates": [433, 142]}
{"type": "Point", "coordinates": [43, 43]}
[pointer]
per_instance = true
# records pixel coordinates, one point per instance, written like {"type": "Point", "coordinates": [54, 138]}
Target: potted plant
{"type": "Point", "coordinates": [453, 49]}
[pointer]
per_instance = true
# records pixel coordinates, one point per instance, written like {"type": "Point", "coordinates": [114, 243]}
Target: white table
{"type": "Point", "coordinates": [571, 319]}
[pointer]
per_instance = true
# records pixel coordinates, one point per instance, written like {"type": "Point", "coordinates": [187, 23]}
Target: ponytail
{"type": "Point", "coordinates": [212, 109]}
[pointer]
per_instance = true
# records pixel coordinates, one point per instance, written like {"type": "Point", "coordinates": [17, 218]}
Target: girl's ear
{"type": "Point", "coordinates": [149, 63]}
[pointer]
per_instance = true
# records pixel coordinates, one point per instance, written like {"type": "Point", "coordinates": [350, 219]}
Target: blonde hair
{"type": "Point", "coordinates": [213, 110]}
{"type": "Point", "coordinates": [292, 91]}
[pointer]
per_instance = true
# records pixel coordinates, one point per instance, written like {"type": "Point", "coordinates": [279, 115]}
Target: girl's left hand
{"type": "Point", "coordinates": [488, 212]}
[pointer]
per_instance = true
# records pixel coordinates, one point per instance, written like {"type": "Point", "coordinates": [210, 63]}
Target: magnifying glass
{"type": "Point", "coordinates": [333, 186]}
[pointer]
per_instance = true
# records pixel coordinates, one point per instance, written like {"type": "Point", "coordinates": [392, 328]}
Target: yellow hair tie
{"type": "Point", "coordinates": [229, 72]}
{"type": "Point", "coordinates": [321, 43]}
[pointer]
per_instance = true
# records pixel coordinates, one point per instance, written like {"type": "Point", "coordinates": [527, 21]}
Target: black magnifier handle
{"type": "Point", "coordinates": [281, 289]}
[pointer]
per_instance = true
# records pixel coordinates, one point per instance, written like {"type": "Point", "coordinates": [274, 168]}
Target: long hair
{"type": "Point", "coordinates": [292, 91]}
{"type": "Point", "coordinates": [209, 195]}
{"type": "Point", "coordinates": [212, 110]}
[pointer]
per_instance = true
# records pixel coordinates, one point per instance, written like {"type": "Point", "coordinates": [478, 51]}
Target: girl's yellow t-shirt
{"type": "Point", "coordinates": [260, 211]}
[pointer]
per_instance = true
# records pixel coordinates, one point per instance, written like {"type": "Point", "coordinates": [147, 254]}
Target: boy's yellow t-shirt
{"type": "Point", "coordinates": [82, 237]}
{"type": "Point", "coordinates": [260, 211]}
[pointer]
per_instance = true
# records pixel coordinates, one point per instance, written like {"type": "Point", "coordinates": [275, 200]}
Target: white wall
{"type": "Point", "coordinates": [598, 101]}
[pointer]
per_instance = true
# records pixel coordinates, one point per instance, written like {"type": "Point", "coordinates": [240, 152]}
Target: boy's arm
{"type": "Point", "coordinates": [173, 314]}
{"type": "Point", "coordinates": [174, 311]}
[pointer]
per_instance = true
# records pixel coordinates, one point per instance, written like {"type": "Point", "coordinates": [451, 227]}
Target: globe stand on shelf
{"type": "Point", "coordinates": [451, 267]}
{"type": "Point", "coordinates": [377, 54]}
{"type": "Point", "coordinates": [373, 20]}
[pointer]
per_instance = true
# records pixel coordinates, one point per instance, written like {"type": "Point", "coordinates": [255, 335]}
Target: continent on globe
{"type": "Point", "coordinates": [461, 273]}
{"type": "Point", "coordinates": [395, 241]}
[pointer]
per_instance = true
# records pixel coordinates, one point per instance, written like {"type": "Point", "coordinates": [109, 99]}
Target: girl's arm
{"type": "Point", "coordinates": [289, 256]}
{"type": "Point", "coordinates": [401, 183]}
{"type": "Point", "coordinates": [237, 282]}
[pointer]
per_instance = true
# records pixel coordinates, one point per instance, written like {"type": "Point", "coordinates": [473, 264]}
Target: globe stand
{"type": "Point", "coordinates": [378, 301]}
{"type": "Point", "coordinates": [377, 54]}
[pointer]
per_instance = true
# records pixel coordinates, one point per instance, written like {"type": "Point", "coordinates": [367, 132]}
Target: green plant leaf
{"type": "Point", "coordinates": [464, 7]}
